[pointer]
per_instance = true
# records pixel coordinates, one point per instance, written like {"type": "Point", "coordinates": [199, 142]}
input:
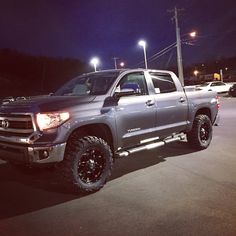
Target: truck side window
{"type": "Point", "coordinates": [135, 81]}
{"type": "Point", "coordinates": [163, 83]}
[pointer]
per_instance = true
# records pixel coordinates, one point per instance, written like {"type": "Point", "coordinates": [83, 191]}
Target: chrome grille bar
{"type": "Point", "coordinates": [14, 124]}
{"type": "Point", "coordinates": [21, 131]}
{"type": "Point", "coordinates": [15, 118]}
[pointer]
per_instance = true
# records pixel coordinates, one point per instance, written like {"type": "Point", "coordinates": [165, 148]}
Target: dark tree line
{"type": "Point", "coordinates": [228, 65]}
{"type": "Point", "coordinates": [26, 75]}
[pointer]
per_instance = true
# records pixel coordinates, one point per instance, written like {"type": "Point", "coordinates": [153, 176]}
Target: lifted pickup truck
{"type": "Point", "coordinates": [98, 116]}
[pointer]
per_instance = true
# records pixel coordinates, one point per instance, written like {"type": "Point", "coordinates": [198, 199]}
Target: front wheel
{"type": "Point", "coordinates": [87, 164]}
{"type": "Point", "coordinates": [201, 134]}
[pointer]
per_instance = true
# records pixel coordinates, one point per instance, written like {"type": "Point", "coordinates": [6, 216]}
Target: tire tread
{"type": "Point", "coordinates": [76, 143]}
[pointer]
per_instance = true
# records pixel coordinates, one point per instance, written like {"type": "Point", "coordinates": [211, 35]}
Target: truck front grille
{"type": "Point", "coordinates": [16, 125]}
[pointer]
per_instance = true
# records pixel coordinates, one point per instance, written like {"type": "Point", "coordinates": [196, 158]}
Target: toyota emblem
{"type": "Point", "coordinates": [5, 124]}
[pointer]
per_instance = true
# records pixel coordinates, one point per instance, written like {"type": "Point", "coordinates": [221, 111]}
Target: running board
{"type": "Point", "coordinates": [150, 146]}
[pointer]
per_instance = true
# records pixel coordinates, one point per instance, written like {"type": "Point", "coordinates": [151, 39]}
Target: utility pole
{"type": "Point", "coordinates": [221, 75]}
{"type": "Point", "coordinates": [115, 61]}
{"type": "Point", "coordinates": [178, 45]}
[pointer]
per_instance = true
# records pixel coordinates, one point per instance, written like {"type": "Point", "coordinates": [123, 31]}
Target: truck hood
{"type": "Point", "coordinates": [44, 104]}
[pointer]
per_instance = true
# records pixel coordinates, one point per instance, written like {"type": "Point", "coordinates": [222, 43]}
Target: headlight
{"type": "Point", "coordinates": [51, 120]}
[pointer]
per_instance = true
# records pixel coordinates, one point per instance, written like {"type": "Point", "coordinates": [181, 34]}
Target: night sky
{"type": "Point", "coordinates": [107, 28]}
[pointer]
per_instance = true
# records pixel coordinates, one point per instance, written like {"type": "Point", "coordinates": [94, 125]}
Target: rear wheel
{"type": "Point", "coordinates": [87, 164]}
{"type": "Point", "coordinates": [201, 134]}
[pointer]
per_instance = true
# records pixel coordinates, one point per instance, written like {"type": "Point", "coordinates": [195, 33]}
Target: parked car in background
{"type": "Point", "coordinates": [217, 86]}
{"type": "Point", "coordinates": [6, 100]}
{"type": "Point", "coordinates": [232, 90]}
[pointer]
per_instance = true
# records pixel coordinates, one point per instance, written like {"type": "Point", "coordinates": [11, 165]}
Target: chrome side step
{"type": "Point", "coordinates": [150, 146]}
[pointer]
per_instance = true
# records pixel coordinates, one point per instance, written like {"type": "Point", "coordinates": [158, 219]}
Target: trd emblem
{"type": "Point", "coordinates": [5, 124]}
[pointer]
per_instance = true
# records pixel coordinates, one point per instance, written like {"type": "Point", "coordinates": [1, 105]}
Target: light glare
{"type": "Point", "coordinates": [94, 61]}
{"type": "Point", "coordinates": [142, 43]}
{"type": "Point", "coordinates": [51, 120]}
{"type": "Point", "coordinates": [193, 34]}
{"type": "Point", "coordinates": [196, 72]}
{"type": "Point", "coordinates": [122, 64]}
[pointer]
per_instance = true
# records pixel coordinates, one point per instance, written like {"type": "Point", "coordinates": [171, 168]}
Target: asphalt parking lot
{"type": "Point", "coordinates": [170, 191]}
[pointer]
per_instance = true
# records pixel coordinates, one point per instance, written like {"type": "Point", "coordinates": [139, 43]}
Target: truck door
{"type": "Point", "coordinates": [135, 114]}
{"type": "Point", "coordinates": [171, 105]}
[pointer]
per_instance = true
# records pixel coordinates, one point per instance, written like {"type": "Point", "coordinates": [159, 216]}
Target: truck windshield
{"type": "Point", "coordinates": [90, 84]}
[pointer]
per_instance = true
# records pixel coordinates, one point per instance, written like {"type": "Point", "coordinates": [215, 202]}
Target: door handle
{"type": "Point", "coordinates": [181, 100]}
{"type": "Point", "coordinates": [150, 103]}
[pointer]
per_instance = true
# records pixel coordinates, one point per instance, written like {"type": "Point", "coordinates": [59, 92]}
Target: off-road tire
{"type": "Point", "coordinates": [87, 163]}
{"type": "Point", "coordinates": [201, 134]}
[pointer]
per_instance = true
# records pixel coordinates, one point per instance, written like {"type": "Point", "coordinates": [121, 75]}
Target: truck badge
{"type": "Point", "coordinates": [5, 124]}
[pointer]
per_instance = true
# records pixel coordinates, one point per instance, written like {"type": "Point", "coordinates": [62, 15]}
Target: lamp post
{"type": "Point", "coordinates": [115, 62]}
{"type": "Point", "coordinates": [142, 43]}
{"type": "Point", "coordinates": [94, 61]}
{"type": "Point", "coordinates": [221, 75]}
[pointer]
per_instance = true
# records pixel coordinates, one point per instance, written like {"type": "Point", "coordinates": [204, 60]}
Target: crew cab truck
{"type": "Point", "coordinates": [99, 116]}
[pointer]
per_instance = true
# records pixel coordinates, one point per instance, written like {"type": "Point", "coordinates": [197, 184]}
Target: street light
{"type": "Point", "coordinates": [196, 72]}
{"type": "Point", "coordinates": [94, 61]}
{"type": "Point", "coordinates": [193, 34]}
{"type": "Point", "coordinates": [122, 64]}
{"type": "Point", "coordinates": [142, 43]}
{"type": "Point", "coordinates": [188, 38]}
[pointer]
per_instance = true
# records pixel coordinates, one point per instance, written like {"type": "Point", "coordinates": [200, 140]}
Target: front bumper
{"type": "Point", "coordinates": [32, 154]}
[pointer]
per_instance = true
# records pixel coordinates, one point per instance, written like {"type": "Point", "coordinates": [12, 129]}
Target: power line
{"type": "Point", "coordinates": [158, 54]}
{"type": "Point", "coordinates": [162, 52]}
{"type": "Point", "coordinates": [168, 62]}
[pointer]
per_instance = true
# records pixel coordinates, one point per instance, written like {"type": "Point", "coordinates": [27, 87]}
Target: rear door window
{"type": "Point", "coordinates": [163, 83]}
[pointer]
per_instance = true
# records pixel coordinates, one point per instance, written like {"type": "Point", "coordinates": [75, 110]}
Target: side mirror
{"type": "Point", "coordinates": [125, 92]}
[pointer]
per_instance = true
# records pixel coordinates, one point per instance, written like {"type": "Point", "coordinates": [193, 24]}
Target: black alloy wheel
{"type": "Point", "coordinates": [91, 165]}
{"type": "Point", "coordinates": [204, 132]}
{"type": "Point", "coordinates": [87, 163]}
{"type": "Point", "coordinates": [201, 134]}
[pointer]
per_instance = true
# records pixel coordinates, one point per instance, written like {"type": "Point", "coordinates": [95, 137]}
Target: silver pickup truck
{"type": "Point", "coordinates": [98, 116]}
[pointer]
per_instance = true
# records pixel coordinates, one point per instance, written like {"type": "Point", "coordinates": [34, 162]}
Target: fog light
{"type": "Point", "coordinates": [43, 154]}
